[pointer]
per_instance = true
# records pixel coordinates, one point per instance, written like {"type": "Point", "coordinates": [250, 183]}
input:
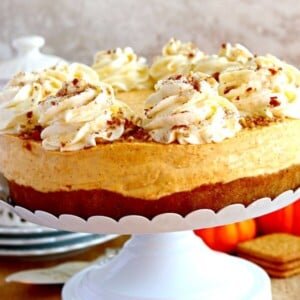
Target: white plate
{"type": "Point", "coordinates": [24, 230]}
{"type": "Point", "coordinates": [40, 239]}
{"type": "Point", "coordinates": [56, 248]}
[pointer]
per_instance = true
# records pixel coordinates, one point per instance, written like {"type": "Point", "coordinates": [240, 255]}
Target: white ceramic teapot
{"type": "Point", "coordinates": [28, 58]}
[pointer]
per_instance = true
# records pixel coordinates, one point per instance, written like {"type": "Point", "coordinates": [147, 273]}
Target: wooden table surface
{"type": "Point", "coordinates": [282, 289]}
{"type": "Point", "coordinates": [18, 291]}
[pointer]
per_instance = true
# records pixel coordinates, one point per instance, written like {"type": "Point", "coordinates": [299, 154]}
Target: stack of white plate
{"type": "Point", "coordinates": [19, 238]}
{"type": "Point", "coordinates": [37, 241]}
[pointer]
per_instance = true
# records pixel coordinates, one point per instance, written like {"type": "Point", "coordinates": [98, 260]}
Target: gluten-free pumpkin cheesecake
{"type": "Point", "coordinates": [197, 140]}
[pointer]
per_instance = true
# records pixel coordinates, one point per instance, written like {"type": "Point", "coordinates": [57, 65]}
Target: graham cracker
{"type": "Point", "coordinates": [288, 266]}
{"type": "Point", "coordinates": [282, 274]}
{"type": "Point", "coordinates": [275, 248]}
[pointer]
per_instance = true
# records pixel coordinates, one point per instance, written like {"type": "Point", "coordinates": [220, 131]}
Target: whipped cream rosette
{"type": "Point", "coordinates": [183, 58]}
{"type": "Point", "coordinates": [176, 58]}
{"type": "Point", "coordinates": [230, 57]}
{"type": "Point", "coordinates": [122, 69]}
{"type": "Point", "coordinates": [264, 86]}
{"type": "Point", "coordinates": [235, 53]}
{"type": "Point", "coordinates": [81, 114]}
{"type": "Point", "coordinates": [19, 99]}
{"type": "Point", "coordinates": [188, 110]}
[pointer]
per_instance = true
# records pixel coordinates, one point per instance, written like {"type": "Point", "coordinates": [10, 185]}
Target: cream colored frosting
{"type": "Point", "coordinates": [230, 57]}
{"type": "Point", "coordinates": [189, 110]}
{"type": "Point", "coordinates": [176, 58]}
{"type": "Point", "coordinates": [264, 86]}
{"type": "Point", "coordinates": [236, 53]}
{"type": "Point", "coordinates": [81, 114]}
{"type": "Point", "coordinates": [19, 99]}
{"type": "Point", "coordinates": [122, 69]}
{"type": "Point", "coordinates": [257, 85]}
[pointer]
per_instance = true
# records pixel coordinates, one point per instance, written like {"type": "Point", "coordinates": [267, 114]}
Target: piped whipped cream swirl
{"type": "Point", "coordinates": [230, 57]}
{"type": "Point", "coordinates": [263, 86]}
{"type": "Point", "coordinates": [188, 110]}
{"type": "Point", "coordinates": [20, 97]}
{"type": "Point", "coordinates": [80, 115]}
{"type": "Point", "coordinates": [122, 69]}
{"type": "Point", "coordinates": [176, 58]}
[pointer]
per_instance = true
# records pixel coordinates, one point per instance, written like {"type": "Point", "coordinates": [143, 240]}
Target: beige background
{"type": "Point", "coordinates": [76, 29]}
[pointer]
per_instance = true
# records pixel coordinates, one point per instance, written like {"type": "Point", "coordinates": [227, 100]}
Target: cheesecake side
{"type": "Point", "coordinates": [155, 177]}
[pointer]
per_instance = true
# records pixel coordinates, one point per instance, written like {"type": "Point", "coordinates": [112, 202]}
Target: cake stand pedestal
{"type": "Point", "coordinates": [164, 259]}
{"type": "Point", "coordinates": [177, 266]}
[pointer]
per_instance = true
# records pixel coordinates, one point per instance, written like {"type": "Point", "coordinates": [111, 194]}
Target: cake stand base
{"type": "Point", "coordinates": [170, 266]}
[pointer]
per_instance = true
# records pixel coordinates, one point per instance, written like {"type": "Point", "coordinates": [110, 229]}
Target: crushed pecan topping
{"type": "Point", "coordinates": [251, 122]}
{"type": "Point", "coordinates": [273, 71]}
{"type": "Point", "coordinates": [72, 88]}
{"type": "Point", "coordinates": [274, 101]}
{"type": "Point", "coordinates": [228, 89]}
{"type": "Point", "coordinates": [34, 134]}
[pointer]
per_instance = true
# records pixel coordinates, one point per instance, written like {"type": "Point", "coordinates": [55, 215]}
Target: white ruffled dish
{"type": "Point", "coordinates": [167, 222]}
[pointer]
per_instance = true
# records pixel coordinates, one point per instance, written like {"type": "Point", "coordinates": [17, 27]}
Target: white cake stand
{"type": "Point", "coordinates": [164, 259]}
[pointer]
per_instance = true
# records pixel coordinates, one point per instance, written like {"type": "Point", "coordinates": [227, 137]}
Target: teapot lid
{"type": "Point", "coordinates": [28, 58]}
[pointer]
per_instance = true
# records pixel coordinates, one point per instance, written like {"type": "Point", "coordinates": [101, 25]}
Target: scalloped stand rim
{"type": "Point", "coordinates": [202, 218]}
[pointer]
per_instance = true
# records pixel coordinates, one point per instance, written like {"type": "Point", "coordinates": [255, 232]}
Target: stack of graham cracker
{"type": "Point", "coordinates": [277, 253]}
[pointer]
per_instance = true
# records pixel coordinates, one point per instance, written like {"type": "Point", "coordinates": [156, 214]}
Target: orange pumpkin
{"type": "Point", "coordinates": [225, 238]}
{"type": "Point", "coordinates": [286, 220]}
